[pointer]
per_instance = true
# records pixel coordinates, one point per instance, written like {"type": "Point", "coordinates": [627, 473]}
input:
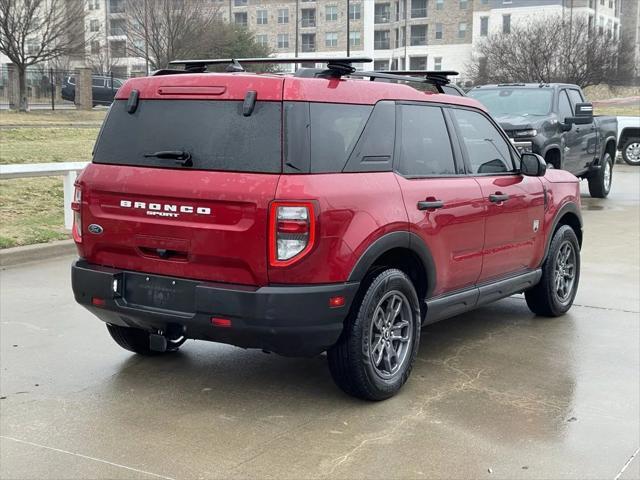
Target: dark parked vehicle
{"type": "Point", "coordinates": [312, 212]}
{"type": "Point", "coordinates": [554, 121]}
{"type": "Point", "coordinates": [103, 89]}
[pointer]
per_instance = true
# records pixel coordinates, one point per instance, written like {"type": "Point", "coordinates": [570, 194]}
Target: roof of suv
{"type": "Point", "coordinates": [227, 86]}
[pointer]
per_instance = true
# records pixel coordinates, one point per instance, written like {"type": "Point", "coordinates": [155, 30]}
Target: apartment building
{"type": "Point", "coordinates": [630, 31]}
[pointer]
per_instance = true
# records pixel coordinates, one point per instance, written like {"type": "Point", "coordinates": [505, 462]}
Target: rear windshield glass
{"type": "Point", "coordinates": [514, 101]}
{"type": "Point", "coordinates": [215, 133]}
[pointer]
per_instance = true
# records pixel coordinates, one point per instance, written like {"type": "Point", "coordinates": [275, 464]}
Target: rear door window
{"type": "Point", "coordinates": [215, 133]}
{"type": "Point", "coordinates": [424, 146]}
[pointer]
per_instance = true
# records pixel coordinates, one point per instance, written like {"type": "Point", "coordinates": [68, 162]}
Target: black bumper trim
{"type": "Point", "coordinates": [291, 320]}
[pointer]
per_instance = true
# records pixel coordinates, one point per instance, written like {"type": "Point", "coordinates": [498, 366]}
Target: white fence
{"type": "Point", "coordinates": [68, 171]}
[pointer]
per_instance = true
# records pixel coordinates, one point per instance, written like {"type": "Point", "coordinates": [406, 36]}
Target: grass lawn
{"type": "Point", "coordinates": [51, 118]}
{"type": "Point", "coordinates": [44, 144]}
{"type": "Point", "coordinates": [617, 110]}
{"type": "Point", "coordinates": [31, 211]}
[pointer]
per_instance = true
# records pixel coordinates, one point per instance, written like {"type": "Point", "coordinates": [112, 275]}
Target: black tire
{"type": "Point", "coordinates": [350, 360]}
{"type": "Point", "coordinates": [600, 182]}
{"type": "Point", "coordinates": [544, 299]}
{"type": "Point", "coordinates": [630, 152]}
{"type": "Point", "coordinates": [136, 340]}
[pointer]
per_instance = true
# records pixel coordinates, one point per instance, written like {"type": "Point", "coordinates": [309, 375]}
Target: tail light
{"type": "Point", "coordinates": [76, 206]}
{"type": "Point", "coordinates": [291, 232]}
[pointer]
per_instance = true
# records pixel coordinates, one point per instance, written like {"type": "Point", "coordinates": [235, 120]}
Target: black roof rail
{"type": "Point", "coordinates": [336, 66]}
{"type": "Point", "coordinates": [436, 76]}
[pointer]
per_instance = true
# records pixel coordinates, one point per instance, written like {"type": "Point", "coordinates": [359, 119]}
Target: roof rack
{"type": "Point", "coordinates": [336, 66]}
{"type": "Point", "coordinates": [439, 77]}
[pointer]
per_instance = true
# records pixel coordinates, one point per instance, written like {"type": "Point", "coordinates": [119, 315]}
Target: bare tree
{"type": "Point", "coordinates": [37, 31]}
{"type": "Point", "coordinates": [101, 62]}
{"type": "Point", "coordinates": [164, 30]}
{"type": "Point", "coordinates": [552, 49]}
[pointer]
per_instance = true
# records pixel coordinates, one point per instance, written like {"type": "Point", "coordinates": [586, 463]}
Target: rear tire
{"type": "Point", "coordinates": [375, 354]}
{"type": "Point", "coordinates": [600, 182]}
{"type": "Point", "coordinates": [554, 294]}
{"type": "Point", "coordinates": [631, 151]}
{"type": "Point", "coordinates": [136, 340]}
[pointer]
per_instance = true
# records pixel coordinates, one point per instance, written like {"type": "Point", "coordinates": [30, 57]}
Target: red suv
{"type": "Point", "coordinates": [311, 212]}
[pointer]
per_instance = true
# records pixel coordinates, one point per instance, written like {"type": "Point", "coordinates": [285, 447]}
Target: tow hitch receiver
{"type": "Point", "coordinates": [157, 343]}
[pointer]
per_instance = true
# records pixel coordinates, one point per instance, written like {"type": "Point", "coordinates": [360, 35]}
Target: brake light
{"type": "Point", "coordinates": [76, 206]}
{"type": "Point", "coordinates": [291, 232]}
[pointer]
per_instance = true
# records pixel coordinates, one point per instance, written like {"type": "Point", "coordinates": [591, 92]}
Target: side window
{"type": "Point", "coordinates": [424, 144]}
{"type": "Point", "coordinates": [97, 82]}
{"type": "Point", "coordinates": [564, 107]}
{"type": "Point", "coordinates": [374, 150]}
{"type": "Point", "coordinates": [487, 150]}
{"type": "Point", "coordinates": [575, 96]}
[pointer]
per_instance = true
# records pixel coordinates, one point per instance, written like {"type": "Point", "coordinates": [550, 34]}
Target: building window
{"type": "Point", "coordinates": [94, 4]}
{"type": "Point", "coordinates": [418, 63]}
{"type": "Point", "coordinates": [283, 40]}
{"type": "Point", "coordinates": [439, 4]}
{"type": "Point", "coordinates": [240, 3]}
{"type": "Point", "coordinates": [355, 11]}
{"type": "Point", "coordinates": [116, 6]}
{"type": "Point", "coordinates": [283, 15]}
{"type": "Point", "coordinates": [484, 26]}
{"type": "Point", "coordinates": [117, 27]}
{"type": "Point", "coordinates": [354, 39]}
{"type": "Point", "coordinates": [462, 30]}
{"type": "Point", "coordinates": [262, 17]}
{"type": "Point", "coordinates": [240, 18]}
{"type": "Point", "coordinates": [331, 13]}
{"type": "Point", "coordinates": [119, 49]}
{"type": "Point", "coordinates": [418, 8]}
{"type": "Point", "coordinates": [308, 18]}
{"type": "Point", "coordinates": [418, 35]}
{"type": "Point", "coordinates": [437, 63]}
{"type": "Point", "coordinates": [381, 40]}
{"type": "Point", "coordinates": [381, 65]}
{"type": "Point", "coordinates": [94, 25]}
{"type": "Point", "coordinates": [464, 4]}
{"type": "Point", "coordinates": [262, 40]}
{"type": "Point", "coordinates": [95, 47]}
{"type": "Point", "coordinates": [331, 39]}
{"type": "Point", "coordinates": [382, 13]}
{"type": "Point", "coordinates": [506, 23]}
{"type": "Point", "coordinates": [438, 31]}
{"type": "Point", "coordinates": [308, 42]}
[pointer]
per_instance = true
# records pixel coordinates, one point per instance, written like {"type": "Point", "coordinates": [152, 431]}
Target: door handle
{"type": "Point", "coordinates": [430, 204]}
{"type": "Point", "coordinates": [498, 197]}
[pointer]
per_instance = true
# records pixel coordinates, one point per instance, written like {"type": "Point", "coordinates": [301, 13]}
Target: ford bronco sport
{"type": "Point", "coordinates": [325, 210]}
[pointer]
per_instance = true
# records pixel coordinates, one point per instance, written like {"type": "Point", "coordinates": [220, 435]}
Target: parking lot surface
{"type": "Point", "coordinates": [496, 393]}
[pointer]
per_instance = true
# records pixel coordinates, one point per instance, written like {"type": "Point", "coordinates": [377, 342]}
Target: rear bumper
{"type": "Point", "coordinates": [290, 320]}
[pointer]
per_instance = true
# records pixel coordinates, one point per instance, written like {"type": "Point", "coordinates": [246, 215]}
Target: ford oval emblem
{"type": "Point", "coordinates": [95, 229]}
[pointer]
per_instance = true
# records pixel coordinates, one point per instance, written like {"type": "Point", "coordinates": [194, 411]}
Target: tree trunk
{"type": "Point", "coordinates": [23, 104]}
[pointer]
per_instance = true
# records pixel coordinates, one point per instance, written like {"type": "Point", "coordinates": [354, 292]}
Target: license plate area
{"type": "Point", "coordinates": [156, 292]}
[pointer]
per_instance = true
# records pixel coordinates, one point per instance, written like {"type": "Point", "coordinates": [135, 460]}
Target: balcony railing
{"type": "Point", "coordinates": [382, 18]}
{"type": "Point", "coordinates": [419, 12]}
{"type": "Point", "coordinates": [308, 22]}
{"type": "Point", "coordinates": [381, 44]}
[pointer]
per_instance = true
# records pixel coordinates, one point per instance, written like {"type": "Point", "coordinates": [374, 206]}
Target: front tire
{"type": "Point", "coordinates": [554, 294]}
{"type": "Point", "coordinates": [377, 349]}
{"type": "Point", "coordinates": [600, 183]}
{"type": "Point", "coordinates": [137, 341]}
{"type": "Point", "coordinates": [631, 151]}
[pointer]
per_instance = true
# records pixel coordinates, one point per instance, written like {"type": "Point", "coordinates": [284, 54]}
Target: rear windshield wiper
{"type": "Point", "coordinates": [182, 157]}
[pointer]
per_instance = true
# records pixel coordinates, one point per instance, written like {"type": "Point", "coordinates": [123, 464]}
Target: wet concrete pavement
{"type": "Point", "coordinates": [497, 393]}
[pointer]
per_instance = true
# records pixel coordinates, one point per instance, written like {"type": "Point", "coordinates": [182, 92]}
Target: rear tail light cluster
{"type": "Point", "coordinates": [291, 232]}
{"type": "Point", "coordinates": [76, 206]}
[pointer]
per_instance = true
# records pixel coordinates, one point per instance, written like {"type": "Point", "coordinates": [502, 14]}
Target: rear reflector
{"type": "Point", "coordinates": [220, 322]}
{"type": "Point", "coordinates": [98, 302]}
{"type": "Point", "coordinates": [335, 302]}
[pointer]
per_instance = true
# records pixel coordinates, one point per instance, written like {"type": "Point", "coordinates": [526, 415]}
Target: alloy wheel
{"type": "Point", "coordinates": [633, 152]}
{"type": "Point", "coordinates": [565, 272]}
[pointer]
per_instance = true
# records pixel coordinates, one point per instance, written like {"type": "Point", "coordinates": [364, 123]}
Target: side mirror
{"type": "Point", "coordinates": [532, 165]}
{"type": "Point", "coordinates": [584, 115]}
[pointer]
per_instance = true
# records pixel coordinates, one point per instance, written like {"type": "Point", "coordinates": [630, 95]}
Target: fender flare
{"type": "Point", "coordinates": [606, 141]}
{"type": "Point", "coordinates": [553, 146]}
{"type": "Point", "coordinates": [569, 207]}
{"type": "Point", "coordinates": [389, 241]}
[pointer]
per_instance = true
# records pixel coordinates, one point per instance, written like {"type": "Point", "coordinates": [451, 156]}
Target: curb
{"type": "Point", "coordinates": [30, 253]}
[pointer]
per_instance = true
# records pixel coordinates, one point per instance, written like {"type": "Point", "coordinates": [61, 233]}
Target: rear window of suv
{"type": "Point", "coordinates": [215, 133]}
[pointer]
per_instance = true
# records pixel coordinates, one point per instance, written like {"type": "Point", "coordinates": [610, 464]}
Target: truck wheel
{"type": "Point", "coordinates": [600, 183]}
{"type": "Point", "coordinates": [137, 340]}
{"type": "Point", "coordinates": [375, 354]}
{"type": "Point", "coordinates": [631, 151]}
{"type": "Point", "coordinates": [557, 288]}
